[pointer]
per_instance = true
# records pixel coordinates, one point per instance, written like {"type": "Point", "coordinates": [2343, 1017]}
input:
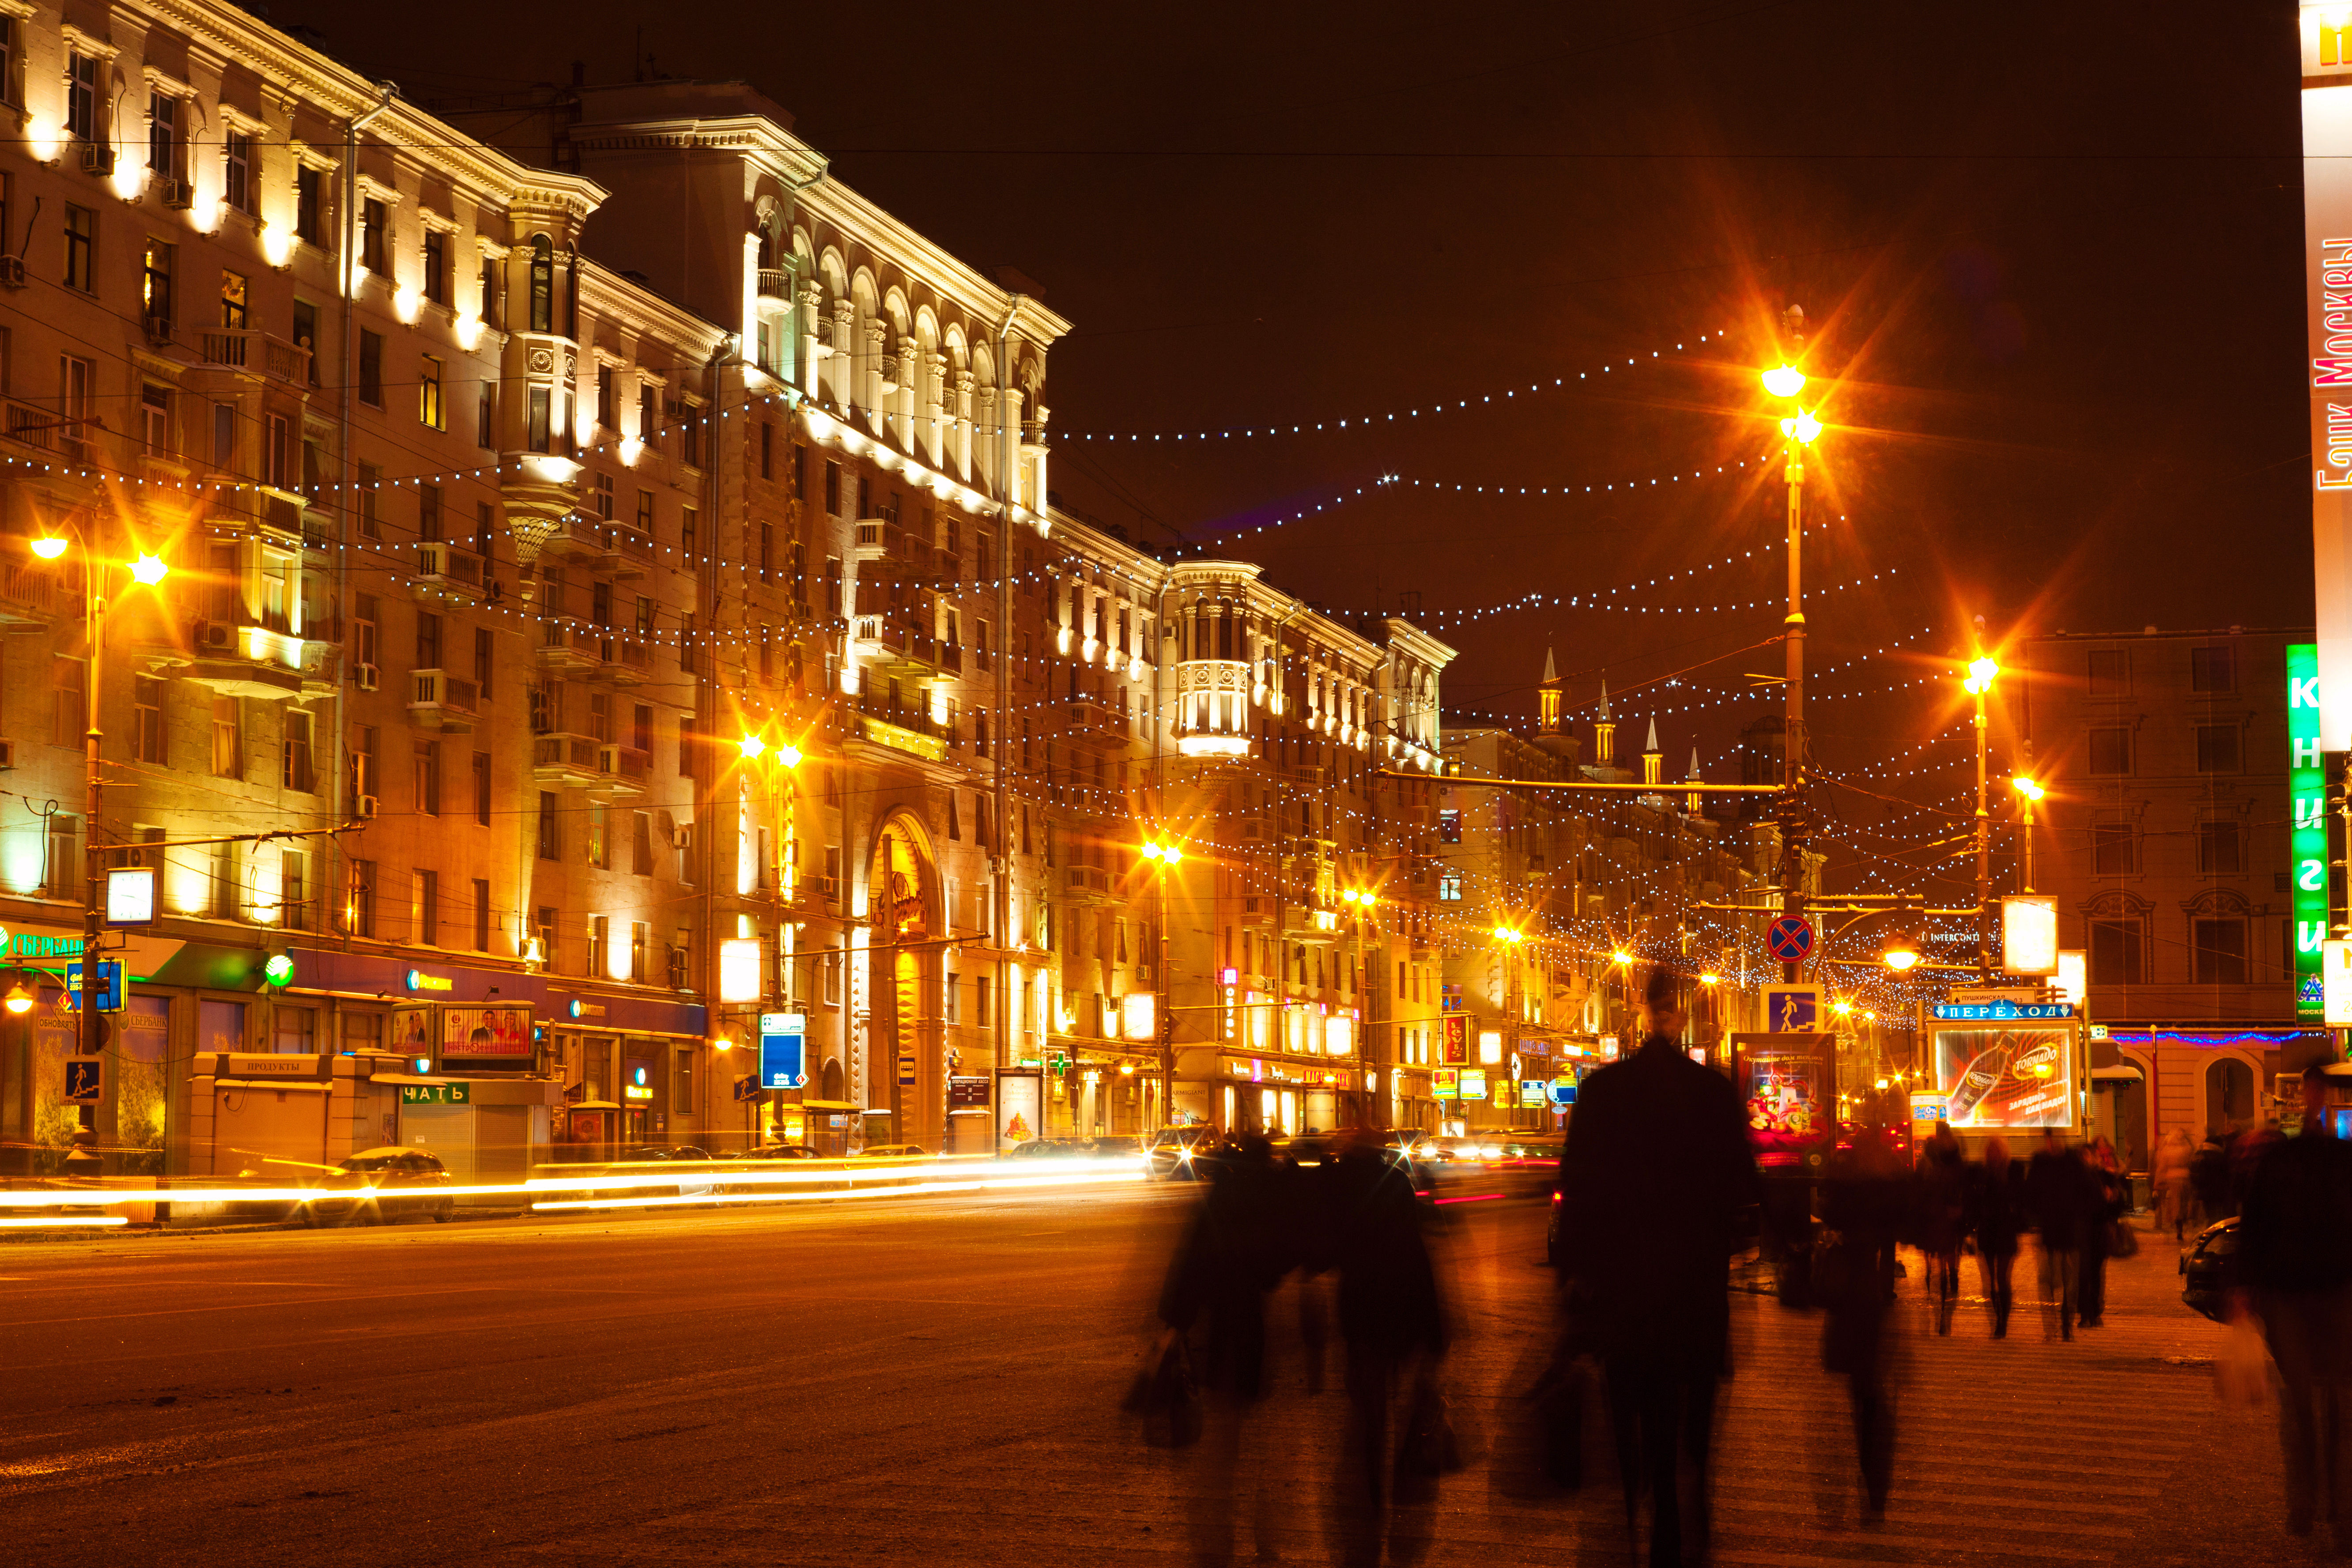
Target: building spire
{"type": "Point", "coordinates": [1605, 733]}
{"type": "Point", "coordinates": [1653, 759]}
{"type": "Point", "coordinates": [1693, 803]}
{"type": "Point", "coordinates": [1547, 698]}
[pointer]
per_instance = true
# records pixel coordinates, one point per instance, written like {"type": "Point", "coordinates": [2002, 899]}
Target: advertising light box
{"type": "Point", "coordinates": [2028, 934]}
{"type": "Point", "coordinates": [1999, 1077]}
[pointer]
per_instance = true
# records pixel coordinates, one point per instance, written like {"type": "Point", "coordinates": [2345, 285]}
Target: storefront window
{"type": "Point", "coordinates": [362, 1031]}
{"type": "Point", "coordinates": [294, 1031]}
{"type": "Point", "coordinates": [220, 1027]}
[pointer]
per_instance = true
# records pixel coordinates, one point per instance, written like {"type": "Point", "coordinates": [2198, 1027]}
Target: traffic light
{"type": "Point", "coordinates": [279, 969]}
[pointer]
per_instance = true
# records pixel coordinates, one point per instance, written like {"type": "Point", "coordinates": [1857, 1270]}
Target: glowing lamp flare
{"type": "Point", "coordinates": [753, 747]}
{"type": "Point", "coordinates": [48, 549]}
{"type": "Point", "coordinates": [2028, 788]}
{"type": "Point", "coordinates": [1980, 675]}
{"type": "Point", "coordinates": [149, 569]}
{"type": "Point", "coordinates": [1166, 854]}
{"type": "Point", "coordinates": [1784, 381]}
{"type": "Point", "coordinates": [1800, 427]}
{"type": "Point", "coordinates": [1900, 957]}
{"type": "Point", "coordinates": [1621, 957]}
{"type": "Point", "coordinates": [18, 1000]}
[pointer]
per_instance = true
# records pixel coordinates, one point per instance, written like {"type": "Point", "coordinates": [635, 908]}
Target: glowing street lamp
{"type": "Point", "coordinates": [2031, 792]}
{"type": "Point", "coordinates": [1800, 427]}
{"type": "Point", "coordinates": [19, 1000]}
{"type": "Point", "coordinates": [1784, 381]}
{"type": "Point", "coordinates": [148, 570]}
{"type": "Point", "coordinates": [49, 547]}
{"type": "Point", "coordinates": [1509, 936]}
{"type": "Point", "coordinates": [1982, 670]}
{"type": "Point", "coordinates": [1900, 954]}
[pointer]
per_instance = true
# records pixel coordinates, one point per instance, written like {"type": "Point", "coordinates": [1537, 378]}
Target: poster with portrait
{"type": "Point", "coordinates": [411, 1033]}
{"type": "Point", "coordinates": [1788, 1086]}
{"type": "Point", "coordinates": [1997, 1077]}
{"type": "Point", "coordinates": [497, 1036]}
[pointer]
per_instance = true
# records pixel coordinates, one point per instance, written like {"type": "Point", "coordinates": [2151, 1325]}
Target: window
{"type": "Point", "coordinates": [155, 287]}
{"type": "Point", "coordinates": [2217, 749]}
{"type": "Point", "coordinates": [2213, 668]}
{"type": "Point", "coordinates": [237, 182]}
{"type": "Point", "coordinates": [598, 849]}
{"type": "Point", "coordinates": [69, 714]}
{"type": "Point", "coordinates": [767, 452]}
{"type": "Point", "coordinates": [424, 908]}
{"type": "Point", "coordinates": [800, 473]}
{"type": "Point", "coordinates": [641, 728]}
{"type": "Point", "coordinates": [81, 97]}
{"type": "Point", "coordinates": [428, 640]}
{"type": "Point", "coordinates": [369, 477]}
{"type": "Point", "coordinates": [482, 788]}
{"type": "Point", "coordinates": [163, 134]}
{"type": "Point", "coordinates": [436, 267]}
{"type": "Point", "coordinates": [229, 738]}
{"type": "Point", "coordinates": [485, 541]}
{"type": "Point", "coordinates": [832, 584]}
{"type": "Point", "coordinates": [371, 368]}
{"type": "Point", "coordinates": [277, 455]}
{"type": "Point", "coordinates": [428, 393]}
{"type": "Point", "coordinates": [607, 413]}
{"type": "Point", "coordinates": [295, 746]}
{"type": "Point", "coordinates": [364, 779]}
{"type": "Point", "coordinates": [540, 417]}
{"type": "Point", "coordinates": [2218, 850]}
{"type": "Point", "coordinates": [832, 488]}
{"type": "Point", "coordinates": [293, 891]}
{"type": "Point", "coordinates": [1449, 887]}
{"type": "Point", "coordinates": [359, 898]}
{"type": "Point", "coordinates": [1449, 825]}
{"type": "Point", "coordinates": [64, 875]}
{"type": "Point", "coordinates": [688, 522]}
{"type": "Point", "coordinates": [2220, 956]}
{"type": "Point", "coordinates": [2110, 849]}
{"type": "Point", "coordinates": [156, 420]}
{"type": "Point", "coordinates": [641, 844]}
{"type": "Point", "coordinates": [2110, 672]}
{"type": "Point", "coordinates": [493, 293]}
{"type": "Point", "coordinates": [481, 915]}
{"type": "Point", "coordinates": [605, 497]}
{"type": "Point", "coordinates": [306, 334]}
{"type": "Point", "coordinates": [2115, 951]}
{"type": "Point", "coordinates": [81, 242]}
{"type": "Point", "coordinates": [551, 828]}
{"type": "Point", "coordinates": [542, 284]}
{"type": "Point", "coordinates": [2111, 752]}
{"type": "Point", "coordinates": [485, 418]}
{"type": "Point", "coordinates": [648, 412]}
{"type": "Point", "coordinates": [483, 662]}
{"type": "Point", "coordinates": [233, 299]}
{"type": "Point", "coordinates": [542, 926]}
{"type": "Point", "coordinates": [371, 237]}
{"type": "Point", "coordinates": [425, 778]}
{"type": "Point", "coordinates": [685, 745]}
{"type": "Point", "coordinates": [309, 210]}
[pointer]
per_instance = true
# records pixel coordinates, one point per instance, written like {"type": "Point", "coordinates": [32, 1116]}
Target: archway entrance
{"type": "Point", "coordinates": [904, 1073]}
{"type": "Point", "coordinates": [2229, 1094]}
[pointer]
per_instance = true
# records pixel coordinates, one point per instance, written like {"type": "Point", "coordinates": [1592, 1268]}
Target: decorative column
{"type": "Point", "coordinates": [845, 386]}
{"type": "Point", "coordinates": [809, 322]}
{"type": "Point", "coordinates": [961, 456]}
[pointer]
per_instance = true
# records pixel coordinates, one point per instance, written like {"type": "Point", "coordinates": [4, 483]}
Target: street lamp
{"type": "Point", "coordinates": [1799, 429]}
{"type": "Point", "coordinates": [1165, 854]}
{"type": "Point", "coordinates": [1979, 685]}
{"type": "Point", "coordinates": [1900, 953]}
{"type": "Point", "coordinates": [2033, 793]}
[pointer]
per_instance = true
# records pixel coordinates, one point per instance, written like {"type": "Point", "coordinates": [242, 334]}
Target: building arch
{"type": "Point", "coordinates": [2230, 1090]}
{"type": "Point", "coordinates": [905, 913]}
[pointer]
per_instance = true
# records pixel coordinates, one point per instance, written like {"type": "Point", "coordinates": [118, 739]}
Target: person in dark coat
{"type": "Point", "coordinates": [2295, 1271]}
{"type": "Point", "coordinates": [1996, 1215]}
{"type": "Point", "coordinates": [1940, 1206]}
{"type": "Point", "coordinates": [1653, 1182]}
{"type": "Point", "coordinates": [2107, 1197]}
{"type": "Point", "coordinates": [1390, 1308]}
{"type": "Point", "coordinates": [1242, 1240]}
{"type": "Point", "coordinates": [1863, 1207]}
{"type": "Point", "coordinates": [2059, 1198]}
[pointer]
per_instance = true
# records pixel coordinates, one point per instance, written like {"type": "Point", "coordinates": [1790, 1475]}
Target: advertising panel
{"type": "Point", "coordinates": [2327, 287]}
{"type": "Point", "coordinates": [494, 1034]}
{"type": "Point", "coordinates": [2306, 787]}
{"type": "Point", "coordinates": [1020, 1107]}
{"type": "Point", "coordinates": [1474, 1083]}
{"type": "Point", "coordinates": [1789, 1085]}
{"type": "Point", "coordinates": [1457, 1040]}
{"type": "Point", "coordinates": [2028, 934]}
{"type": "Point", "coordinates": [783, 1059]}
{"type": "Point", "coordinates": [1997, 1077]}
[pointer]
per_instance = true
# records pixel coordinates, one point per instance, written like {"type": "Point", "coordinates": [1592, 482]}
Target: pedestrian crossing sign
{"type": "Point", "coordinates": [1792, 1009]}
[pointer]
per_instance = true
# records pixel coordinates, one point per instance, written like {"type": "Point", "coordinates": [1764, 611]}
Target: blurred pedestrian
{"type": "Point", "coordinates": [1939, 1205]}
{"type": "Point", "coordinates": [2295, 1269]}
{"type": "Point", "coordinates": [2208, 1177]}
{"type": "Point", "coordinates": [1242, 1239]}
{"type": "Point", "coordinates": [2171, 1175]}
{"type": "Point", "coordinates": [1997, 1207]}
{"type": "Point", "coordinates": [2103, 1200]}
{"type": "Point", "coordinates": [1863, 1206]}
{"type": "Point", "coordinates": [2058, 1201]}
{"type": "Point", "coordinates": [1654, 1180]}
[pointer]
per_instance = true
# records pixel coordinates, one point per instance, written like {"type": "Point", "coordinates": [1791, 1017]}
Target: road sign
{"type": "Point", "coordinates": [1790, 939]}
{"type": "Point", "coordinates": [109, 986]}
{"type": "Point", "coordinates": [85, 1079]}
{"type": "Point", "coordinates": [747, 1087]}
{"type": "Point", "coordinates": [782, 1057]}
{"type": "Point", "coordinates": [1792, 1009]}
{"type": "Point", "coordinates": [906, 1071]}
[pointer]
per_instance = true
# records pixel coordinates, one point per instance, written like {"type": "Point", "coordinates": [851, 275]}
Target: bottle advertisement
{"type": "Point", "coordinates": [1993, 1080]}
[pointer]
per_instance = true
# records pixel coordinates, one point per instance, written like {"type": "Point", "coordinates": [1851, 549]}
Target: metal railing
{"type": "Point", "coordinates": [439, 562]}
{"type": "Point", "coordinates": [439, 688]}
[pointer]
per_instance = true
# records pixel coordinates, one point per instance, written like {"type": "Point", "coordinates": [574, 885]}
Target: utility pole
{"type": "Point", "coordinates": [1000, 844]}
{"type": "Point", "coordinates": [1795, 433]}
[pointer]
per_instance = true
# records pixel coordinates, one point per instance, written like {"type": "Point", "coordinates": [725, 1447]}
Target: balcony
{"type": "Point", "coordinates": [1212, 699]}
{"type": "Point", "coordinates": [241, 660]}
{"type": "Point", "coordinates": [901, 727]}
{"type": "Point", "coordinates": [446, 567]}
{"type": "Point", "coordinates": [1095, 719]}
{"type": "Point", "coordinates": [1086, 884]}
{"type": "Point", "coordinates": [873, 538]}
{"type": "Point", "coordinates": [625, 771]}
{"type": "Point", "coordinates": [627, 554]}
{"type": "Point", "coordinates": [624, 663]}
{"type": "Point", "coordinates": [565, 758]}
{"type": "Point", "coordinates": [440, 700]}
{"type": "Point", "coordinates": [29, 592]}
{"type": "Point", "coordinates": [45, 431]}
{"type": "Point", "coordinates": [888, 648]}
{"type": "Point", "coordinates": [775, 286]}
{"type": "Point", "coordinates": [322, 668]}
{"type": "Point", "coordinates": [256, 352]}
{"type": "Point", "coordinates": [570, 648]}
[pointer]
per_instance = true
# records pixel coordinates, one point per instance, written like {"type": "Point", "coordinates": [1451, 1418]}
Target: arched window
{"type": "Point", "coordinates": [542, 284]}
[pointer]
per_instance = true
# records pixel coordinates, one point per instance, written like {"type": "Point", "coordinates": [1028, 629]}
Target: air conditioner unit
{"type": "Point", "coordinates": [364, 676]}
{"type": "Point", "coordinates": [682, 836]}
{"type": "Point", "coordinates": [367, 808]}
{"type": "Point", "coordinates": [7, 755]}
{"type": "Point", "coordinates": [96, 158]}
{"type": "Point", "coordinates": [215, 634]}
{"type": "Point", "coordinates": [177, 195]}
{"type": "Point", "coordinates": [12, 271]}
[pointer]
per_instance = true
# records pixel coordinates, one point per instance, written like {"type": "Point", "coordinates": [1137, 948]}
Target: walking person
{"type": "Point", "coordinates": [2294, 1272]}
{"type": "Point", "coordinates": [1997, 1205]}
{"type": "Point", "coordinates": [1940, 1207]}
{"type": "Point", "coordinates": [2104, 1199]}
{"type": "Point", "coordinates": [2057, 1201]}
{"type": "Point", "coordinates": [1862, 1204]}
{"type": "Point", "coordinates": [2171, 1174]}
{"type": "Point", "coordinates": [1653, 1182]}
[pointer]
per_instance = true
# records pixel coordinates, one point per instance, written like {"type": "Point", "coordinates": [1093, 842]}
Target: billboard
{"type": "Point", "coordinates": [1020, 1107]}
{"type": "Point", "coordinates": [1788, 1084]}
{"type": "Point", "coordinates": [486, 1034]}
{"type": "Point", "coordinates": [1995, 1077]}
{"type": "Point", "coordinates": [2327, 315]}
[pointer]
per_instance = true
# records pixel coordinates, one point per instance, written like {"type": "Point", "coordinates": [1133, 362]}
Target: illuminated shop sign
{"type": "Point", "coordinates": [1975, 1012]}
{"type": "Point", "coordinates": [2307, 785]}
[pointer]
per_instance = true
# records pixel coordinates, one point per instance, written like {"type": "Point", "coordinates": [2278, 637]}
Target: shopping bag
{"type": "Point", "coordinates": [2244, 1367]}
{"type": "Point", "coordinates": [1165, 1394]}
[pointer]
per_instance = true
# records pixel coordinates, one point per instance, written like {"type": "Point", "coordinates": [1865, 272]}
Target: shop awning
{"type": "Point", "coordinates": [2124, 1073]}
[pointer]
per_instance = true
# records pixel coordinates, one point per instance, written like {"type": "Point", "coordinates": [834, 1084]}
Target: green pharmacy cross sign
{"type": "Point", "coordinates": [2306, 783]}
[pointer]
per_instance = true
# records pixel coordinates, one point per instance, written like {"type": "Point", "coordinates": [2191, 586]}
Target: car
{"type": "Point", "coordinates": [1119, 1146]}
{"type": "Point", "coordinates": [2206, 1268]}
{"type": "Point", "coordinates": [776, 1152]}
{"type": "Point", "coordinates": [1170, 1154]}
{"type": "Point", "coordinates": [1049, 1149]}
{"type": "Point", "coordinates": [666, 1151]}
{"type": "Point", "coordinates": [404, 1181]}
{"type": "Point", "coordinates": [892, 1152]}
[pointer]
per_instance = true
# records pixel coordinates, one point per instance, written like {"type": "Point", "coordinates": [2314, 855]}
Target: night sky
{"type": "Point", "coordinates": [2051, 255]}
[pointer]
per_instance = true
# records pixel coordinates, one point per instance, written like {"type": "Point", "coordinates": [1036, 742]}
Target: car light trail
{"type": "Point", "coordinates": [985, 1184]}
{"type": "Point", "coordinates": [1470, 1199]}
{"type": "Point", "coordinates": [58, 1222]}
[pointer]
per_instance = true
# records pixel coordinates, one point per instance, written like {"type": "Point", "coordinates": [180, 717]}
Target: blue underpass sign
{"type": "Point", "coordinates": [783, 1050]}
{"type": "Point", "coordinates": [109, 986]}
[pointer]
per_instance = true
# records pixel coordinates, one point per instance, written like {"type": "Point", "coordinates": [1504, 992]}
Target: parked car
{"type": "Point", "coordinates": [406, 1181]}
{"type": "Point", "coordinates": [666, 1151]}
{"type": "Point", "coordinates": [892, 1152]}
{"type": "Point", "coordinates": [2206, 1269]}
{"type": "Point", "coordinates": [775, 1152]}
{"type": "Point", "coordinates": [1172, 1154]}
{"type": "Point", "coordinates": [1119, 1145]}
{"type": "Point", "coordinates": [1049, 1149]}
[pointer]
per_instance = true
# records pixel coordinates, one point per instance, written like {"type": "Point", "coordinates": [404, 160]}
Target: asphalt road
{"type": "Point", "coordinates": [920, 1381]}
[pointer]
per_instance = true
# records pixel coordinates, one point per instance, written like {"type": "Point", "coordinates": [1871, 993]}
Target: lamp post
{"type": "Point", "coordinates": [1165, 856]}
{"type": "Point", "coordinates": [2030, 791]}
{"type": "Point", "coordinates": [1798, 431]}
{"type": "Point", "coordinates": [1981, 671]}
{"type": "Point", "coordinates": [146, 571]}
